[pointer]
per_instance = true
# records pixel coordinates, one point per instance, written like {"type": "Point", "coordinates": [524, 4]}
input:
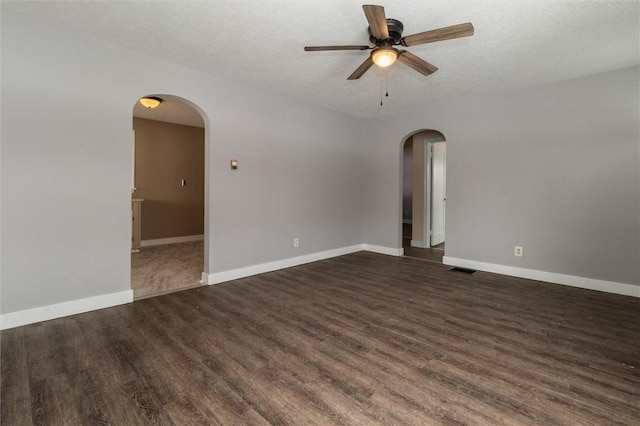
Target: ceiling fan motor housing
{"type": "Point", "coordinates": [395, 33]}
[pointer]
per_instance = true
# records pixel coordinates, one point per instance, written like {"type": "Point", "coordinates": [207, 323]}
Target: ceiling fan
{"type": "Point", "coordinates": [385, 33]}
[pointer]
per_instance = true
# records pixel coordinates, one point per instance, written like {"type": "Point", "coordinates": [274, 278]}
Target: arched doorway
{"type": "Point", "coordinates": [424, 194]}
{"type": "Point", "coordinates": [168, 197]}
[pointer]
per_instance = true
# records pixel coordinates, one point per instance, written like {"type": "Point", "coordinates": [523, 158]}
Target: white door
{"type": "Point", "coordinates": [438, 192]}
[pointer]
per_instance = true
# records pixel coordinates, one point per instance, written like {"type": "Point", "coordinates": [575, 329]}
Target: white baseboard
{"type": "Point", "coordinates": [550, 277]}
{"type": "Point", "coordinates": [220, 277]}
{"type": "Point", "coordinates": [171, 240]}
{"type": "Point", "coordinates": [419, 244]}
{"type": "Point", "coordinates": [234, 274]}
{"type": "Point", "coordinates": [73, 307]}
{"type": "Point", "coordinates": [383, 250]}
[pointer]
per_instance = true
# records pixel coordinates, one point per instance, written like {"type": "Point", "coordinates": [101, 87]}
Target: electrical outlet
{"type": "Point", "coordinates": [517, 251]}
{"type": "Point", "coordinates": [296, 242]}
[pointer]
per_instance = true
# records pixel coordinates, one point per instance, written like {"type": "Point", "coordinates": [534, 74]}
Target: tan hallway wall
{"type": "Point", "coordinates": [167, 153]}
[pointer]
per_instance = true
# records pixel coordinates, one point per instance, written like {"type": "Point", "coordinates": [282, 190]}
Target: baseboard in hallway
{"type": "Point", "coordinates": [147, 292]}
{"type": "Point", "coordinates": [172, 240]}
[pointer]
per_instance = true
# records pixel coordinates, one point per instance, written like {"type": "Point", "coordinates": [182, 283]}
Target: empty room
{"type": "Point", "coordinates": [319, 213]}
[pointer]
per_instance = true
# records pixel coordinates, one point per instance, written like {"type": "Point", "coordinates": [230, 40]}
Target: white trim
{"type": "Point", "coordinates": [234, 274]}
{"type": "Point", "coordinates": [427, 182]}
{"type": "Point", "coordinates": [551, 277]}
{"type": "Point", "coordinates": [59, 310]}
{"type": "Point", "coordinates": [419, 244]}
{"type": "Point", "coordinates": [390, 251]}
{"type": "Point", "coordinates": [172, 240]}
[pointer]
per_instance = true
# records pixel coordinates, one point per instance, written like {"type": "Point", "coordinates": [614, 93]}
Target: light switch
{"type": "Point", "coordinates": [234, 164]}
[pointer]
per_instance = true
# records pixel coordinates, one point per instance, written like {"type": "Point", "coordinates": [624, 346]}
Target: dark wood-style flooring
{"type": "Point", "coordinates": [362, 339]}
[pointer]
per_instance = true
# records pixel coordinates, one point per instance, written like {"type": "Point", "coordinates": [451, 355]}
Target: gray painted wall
{"type": "Point", "coordinates": [67, 106]}
{"type": "Point", "coordinates": [554, 169]}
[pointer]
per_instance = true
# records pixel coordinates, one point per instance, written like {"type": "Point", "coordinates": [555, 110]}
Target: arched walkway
{"type": "Point", "coordinates": [168, 197]}
{"type": "Point", "coordinates": [423, 154]}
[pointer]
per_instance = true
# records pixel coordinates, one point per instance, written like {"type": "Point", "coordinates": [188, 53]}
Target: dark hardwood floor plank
{"type": "Point", "coordinates": [16, 407]}
{"type": "Point", "coordinates": [268, 401]}
{"type": "Point", "coordinates": [183, 412]}
{"type": "Point", "coordinates": [90, 403]}
{"type": "Point", "coordinates": [148, 362]}
{"type": "Point", "coordinates": [398, 379]}
{"type": "Point", "coordinates": [355, 412]}
{"type": "Point", "coordinates": [13, 369]}
{"type": "Point", "coordinates": [144, 399]}
{"type": "Point", "coordinates": [44, 353]}
{"type": "Point", "coordinates": [15, 394]}
{"type": "Point", "coordinates": [120, 406]}
{"type": "Point", "coordinates": [53, 402]}
{"type": "Point", "coordinates": [224, 397]}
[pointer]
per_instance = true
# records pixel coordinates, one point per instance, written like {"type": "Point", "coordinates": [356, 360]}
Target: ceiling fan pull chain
{"type": "Point", "coordinates": [382, 82]}
{"type": "Point", "coordinates": [386, 73]}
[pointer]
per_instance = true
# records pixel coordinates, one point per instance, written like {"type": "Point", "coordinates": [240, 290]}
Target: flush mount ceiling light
{"type": "Point", "coordinates": [384, 56]}
{"type": "Point", "coordinates": [150, 101]}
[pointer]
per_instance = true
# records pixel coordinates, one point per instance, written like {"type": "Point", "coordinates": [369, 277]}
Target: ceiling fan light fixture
{"type": "Point", "coordinates": [384, 56]}
{"type": "Point", "coordinates": [150, 101]}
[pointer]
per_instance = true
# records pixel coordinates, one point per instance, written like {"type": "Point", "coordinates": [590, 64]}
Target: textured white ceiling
{"type": "Point", "coordinates": [516, 43]}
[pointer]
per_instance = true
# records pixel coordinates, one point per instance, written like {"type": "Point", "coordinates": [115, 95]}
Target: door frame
{"type": "Point", "coordinates": [431, 204]}
{"type": "Point", "coordinates": [428, 177]}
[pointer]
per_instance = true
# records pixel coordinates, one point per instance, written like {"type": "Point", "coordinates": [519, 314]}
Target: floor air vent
{"type": "Point", "coordinates": [463, 270]}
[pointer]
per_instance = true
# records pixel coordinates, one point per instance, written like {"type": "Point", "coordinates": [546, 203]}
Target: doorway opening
{"type": "Point", "coordinates": [168, 197]}
{"type": "Point", "coordinates": [424, 195]}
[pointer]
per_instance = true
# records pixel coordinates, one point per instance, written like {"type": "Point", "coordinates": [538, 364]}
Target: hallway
{"type": "Point", "coordinates": [433, 254]}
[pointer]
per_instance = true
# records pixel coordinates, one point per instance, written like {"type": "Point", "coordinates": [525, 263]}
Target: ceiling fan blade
{"type": "Point", "coordinates": [361, 69]}
{"type": "Point", "coordinates": [445, 33]}
{"type": "Point", "coordinates": [323, 48]}
{"type": "Point", "coordinates": [418, 64]}
{"type": "Point", "coordinates": [377, 21]}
